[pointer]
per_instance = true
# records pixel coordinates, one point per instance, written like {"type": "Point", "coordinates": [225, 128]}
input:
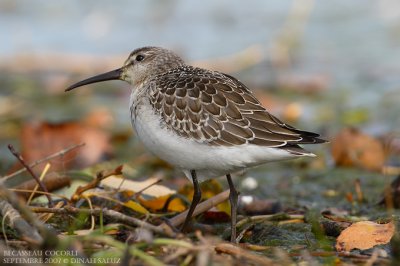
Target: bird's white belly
{"type": "Point", "coordinates": [208, 161]}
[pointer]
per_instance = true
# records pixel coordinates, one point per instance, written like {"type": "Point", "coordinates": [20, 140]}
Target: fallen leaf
{"type": "Point", "coordinates": [135, 206]}
{"type": "Point", "coordinates": [209, 188]}
{"type": "Point", "coordinates": [351, 147]}
{"type": "Point", "coordinates": [112, 201]}
{"type": "Point", "coordinates": [152, 196]}
{"type": "Point", "coordinates": [41, 139]}
{"type": "Point", "coordinates": [156, 204]}
{"type": "Point", "coordinates": [149, 186]}
{"type": "Point", "coordinates": [215, 216]}
{"type": "Point", "coordinates": [364, 235]}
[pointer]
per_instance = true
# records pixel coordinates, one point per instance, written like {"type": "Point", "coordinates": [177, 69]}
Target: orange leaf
{"type": "Point", "coordinates": [41, 139]}
{"type": "Point", "coordinates": [351, 147]}
{"type": "Point", "coordinates": [209, 188]}
{"type": "Point", "coordinates": [155, 204]}
{"type": "Point", "coordinates": [364, 235]}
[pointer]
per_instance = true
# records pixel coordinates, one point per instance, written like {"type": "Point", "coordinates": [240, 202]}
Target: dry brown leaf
{"type": "Point", "coordinates": [38, 140]}
{"type": "Point", "coordinates": [364, 235]}
{"type": "Point", "coordinates": [351, 147]}
{"type": "Point", "coordinates": [53, 181]}
{"type": "Point", "coordinates": [215, 216]}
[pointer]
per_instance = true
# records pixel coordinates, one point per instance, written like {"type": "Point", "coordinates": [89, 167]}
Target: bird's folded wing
{"type": "Point", "coordinates": [217, 109]}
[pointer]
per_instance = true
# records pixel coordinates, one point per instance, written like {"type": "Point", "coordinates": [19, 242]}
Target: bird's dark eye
{"type": "Point", "coordinates": [139, 57]}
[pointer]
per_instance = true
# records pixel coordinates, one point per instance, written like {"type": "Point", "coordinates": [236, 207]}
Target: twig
{"type": "Point", "coordinates": [242, 253]}
{"type": "Point", "coordinates": [52, 156]}
{"type": "Point", "coordinates": [22, 161]}
{"type": "Point", "coordinates": [18, 191]}
{"type": "Point", "coordinates": [371, 261]}
{"type": "Point", "coordinates": [95, 182]}
{"type": "Point", "coordinates": [241, 234]}
{"type": "Point", "coordinates": [269, 217]}
{"type": "Point", "coordinates": [44, 217]}
{"type": "Point", "coordinates": [202, 207]}
{"type": "Point", "coordinates": [41, 178]}
{"type": "Point", "coordinates": [137, 194]}
{"type": "Point", "coordinates": [109, 214]}
{"type": "Point", "coordinates": [18, 223]}
{"type": "Point", "coordinates": [53, 181]}
{"type": "Point", "coordinates": [48, 236]}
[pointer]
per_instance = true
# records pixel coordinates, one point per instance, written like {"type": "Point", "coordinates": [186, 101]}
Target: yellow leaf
{"type": "Point", "coordinates": [136, 207]}
{"type": "Point", "coordinates": [364, 235]}
{"type": "Point", "coordinates": [209, 188]}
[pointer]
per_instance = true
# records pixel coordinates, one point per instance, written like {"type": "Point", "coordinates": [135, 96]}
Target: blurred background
{"type": "Point", "coordinates": [326, 66]}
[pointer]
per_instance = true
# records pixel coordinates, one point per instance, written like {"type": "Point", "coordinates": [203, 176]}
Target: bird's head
{"type": "Point", "coordinates": [141, 65]}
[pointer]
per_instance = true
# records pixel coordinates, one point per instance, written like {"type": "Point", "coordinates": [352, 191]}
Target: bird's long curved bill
{"type": "Point", "coordinates": [112, 75]}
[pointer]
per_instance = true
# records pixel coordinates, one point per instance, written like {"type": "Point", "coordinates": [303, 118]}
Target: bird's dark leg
{"type": "Point", "coordinates": [233, 199]}
{"type": "Point", "coordinates": [196, 199]}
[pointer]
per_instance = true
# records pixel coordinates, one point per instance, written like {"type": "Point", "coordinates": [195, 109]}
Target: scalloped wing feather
{"type": "Point", "coordinates": [217, 109]}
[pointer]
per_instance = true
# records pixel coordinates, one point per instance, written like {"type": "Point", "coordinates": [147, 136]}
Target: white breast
{"type": "Point", "coordinates": [208, 161]}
